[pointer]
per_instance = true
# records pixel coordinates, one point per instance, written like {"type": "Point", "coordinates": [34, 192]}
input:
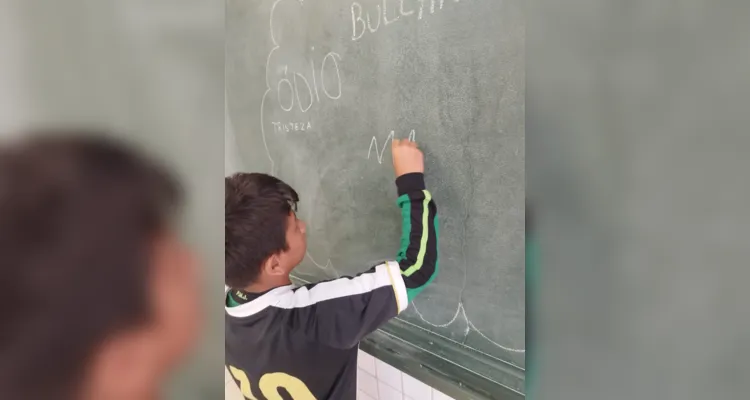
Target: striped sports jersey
{"type": "Point", "coordinates": [301, 343]}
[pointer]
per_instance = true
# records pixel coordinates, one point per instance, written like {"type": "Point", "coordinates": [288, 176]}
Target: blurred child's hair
{"type": "Point", "coordinates": [78, 217]}
{"type": "Point", "coordinates": [256, 207]}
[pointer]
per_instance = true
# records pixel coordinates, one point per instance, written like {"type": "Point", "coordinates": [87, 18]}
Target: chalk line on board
{"type": "Point", "coordinates": [268, 86]}
{"type": "Point", "coordinates": [328, 265]}
{"type": "Point", "coordinates": [380, 153]}
{"type": "Point", "coordinates": [460, 309]}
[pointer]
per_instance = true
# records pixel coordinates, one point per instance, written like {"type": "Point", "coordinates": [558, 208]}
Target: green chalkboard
{"type": "Point", "coordinates": [316, 89]}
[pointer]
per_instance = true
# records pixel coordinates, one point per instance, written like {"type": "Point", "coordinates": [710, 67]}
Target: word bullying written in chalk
{"type": "Point", "coordinates": [390, 12]}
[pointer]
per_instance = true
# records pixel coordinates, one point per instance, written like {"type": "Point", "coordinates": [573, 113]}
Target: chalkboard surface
{"type": "Point", "coordinates": [315, 91]}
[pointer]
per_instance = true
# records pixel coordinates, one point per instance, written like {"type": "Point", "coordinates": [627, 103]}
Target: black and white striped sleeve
{"type": "Point", "coordinates": [418, 255]}
{"type": "Point", "coordinates": [340, 312]}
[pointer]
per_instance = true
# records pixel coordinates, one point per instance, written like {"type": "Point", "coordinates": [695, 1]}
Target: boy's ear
{"type": "Point", "coordinates": [272, 266]}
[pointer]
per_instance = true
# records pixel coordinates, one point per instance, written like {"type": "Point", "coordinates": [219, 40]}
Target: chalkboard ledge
{"type": "Point", "coordinates": [427, 358]}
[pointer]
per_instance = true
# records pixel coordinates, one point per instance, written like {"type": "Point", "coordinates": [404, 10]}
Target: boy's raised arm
{"type": "Point", "coordinates": [418, 254]}
{"type": "Point", "coordinates": [341, 312]}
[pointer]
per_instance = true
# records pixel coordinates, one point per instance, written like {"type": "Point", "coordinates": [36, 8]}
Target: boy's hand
{"type": "Point", "coordinates": [407, 158]}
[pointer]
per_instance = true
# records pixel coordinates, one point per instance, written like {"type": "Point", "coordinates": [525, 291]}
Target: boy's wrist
{"type": "Point", "coordinates": [411, 182]}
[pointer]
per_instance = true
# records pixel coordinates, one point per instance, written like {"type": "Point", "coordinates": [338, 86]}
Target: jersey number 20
{"type": "Point", "coordinates": [271, 383]}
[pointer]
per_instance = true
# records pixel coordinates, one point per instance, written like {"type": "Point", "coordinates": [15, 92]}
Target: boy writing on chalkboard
{"type": "Point", "coordinates": [303, 341]}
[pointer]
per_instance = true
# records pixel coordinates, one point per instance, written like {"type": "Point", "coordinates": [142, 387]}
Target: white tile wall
{"type": "Point", "coordinates": [367, 363]}
{"type": "Point", "coordinates": [414, 388]}
{"type": "Point", "coordinates": [362, 396]}
{"type": "Point", "coordinates": [388, 375]}
{"type": "Point", "coordinates": [436, 395]}
{"type": "Point", "coordinates": [386, 392]}
{"type": "Point", "coordinates": [376, 380]}
{"type": "Point", "coordinates": [391, 383]}
{"type": "Point", "coordinates": [367, 384]}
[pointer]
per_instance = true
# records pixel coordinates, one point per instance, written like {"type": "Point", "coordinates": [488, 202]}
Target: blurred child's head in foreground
{"type": "Point", "coordinates": [99, 294]}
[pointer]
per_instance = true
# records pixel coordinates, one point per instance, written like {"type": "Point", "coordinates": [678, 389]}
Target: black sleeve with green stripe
{"type": "Point", "coordinates": [418, 255]}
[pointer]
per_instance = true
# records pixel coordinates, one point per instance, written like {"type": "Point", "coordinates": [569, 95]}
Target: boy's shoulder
{"type": "Point", "coordinates": [333, 312]}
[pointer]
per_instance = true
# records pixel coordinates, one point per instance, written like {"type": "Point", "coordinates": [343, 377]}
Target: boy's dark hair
{"type": "Point", "coordinates": [78, 216]}
{"type": "Point", "coordinates": [256, 207]}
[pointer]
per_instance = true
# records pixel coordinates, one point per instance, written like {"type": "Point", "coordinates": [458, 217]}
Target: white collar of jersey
{"type": "Point", "coordinates": [287, 297]}
{"type": "Point", "coordinates": [254, 306]}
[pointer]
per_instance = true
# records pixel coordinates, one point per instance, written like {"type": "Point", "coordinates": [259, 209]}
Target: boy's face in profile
{"type": "Point", "coordinates": [296, 241]}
